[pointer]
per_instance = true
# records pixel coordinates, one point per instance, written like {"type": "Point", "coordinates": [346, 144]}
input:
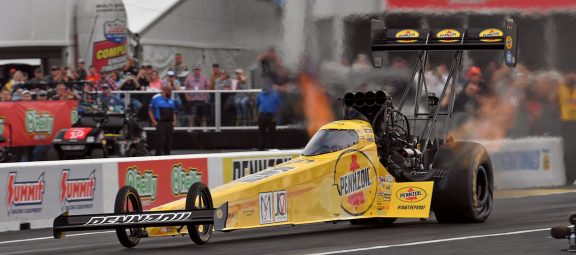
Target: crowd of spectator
{"type": "Point", "coordinates": [196, 109]}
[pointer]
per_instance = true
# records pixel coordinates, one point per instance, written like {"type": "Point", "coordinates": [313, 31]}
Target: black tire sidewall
{"type": "Point", "coordinates": [194, 191]}
{"type": "Point", "coordinates": [453, 197]}
{"type": "Point", "coordinates": [121, 197]}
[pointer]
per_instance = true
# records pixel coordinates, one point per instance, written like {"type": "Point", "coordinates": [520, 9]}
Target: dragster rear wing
{"type": "Point", "coordinates": [384, 39]}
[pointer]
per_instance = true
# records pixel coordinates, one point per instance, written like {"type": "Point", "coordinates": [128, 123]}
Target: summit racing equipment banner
{"type": "Point", "coordinates": [35, 123]}
{"type": "Point", "coordinates": [162, 181]}
{"type": "Point", "coordinates": [43, 192]}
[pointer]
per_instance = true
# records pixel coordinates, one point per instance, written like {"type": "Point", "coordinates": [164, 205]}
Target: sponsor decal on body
{"type": "Point", "coordinates": [355, 178]}
{"type": "Point", "coordinates": [273, 207]}
{"type": "Point", "coordinates": [138, 218]}
{"type": "Point", "coordinates": [491, 32]}
{"type": "Point", "coordinates": [411, 194]}
{"type": "Point", "coordinates": [509, 42]}
{"type": "Point", "coordinates": [76, 190]}
{"type": "Point", "coordinates": [24, 193]}
{"type": "Point", "coordinates": [407, 33]}
{"type": "Point", "coordinates": [448, 33]}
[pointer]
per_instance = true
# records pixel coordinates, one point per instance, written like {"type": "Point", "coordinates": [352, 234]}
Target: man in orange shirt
{"type": "Point", "coordinates": [93, 75]}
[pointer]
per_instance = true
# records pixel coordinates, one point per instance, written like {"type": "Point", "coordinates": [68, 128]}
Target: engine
{"type": "Point", "coordinates": [397, 148]}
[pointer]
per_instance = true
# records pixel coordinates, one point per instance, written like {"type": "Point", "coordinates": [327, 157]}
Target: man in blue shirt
{"type": "Point", "coordinates": [162, 112]}
{"type": "Point", "coordinates": [268, 102]}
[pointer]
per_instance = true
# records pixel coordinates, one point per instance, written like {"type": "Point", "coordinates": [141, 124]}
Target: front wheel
{"type": "Point", "coordinates": [128, 200]}
{"type": "Point", "coordinates": [465, 194]}
{"type": "Point", "coordinates": [199, 197]}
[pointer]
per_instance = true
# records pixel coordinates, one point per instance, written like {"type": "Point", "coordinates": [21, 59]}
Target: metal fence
{"type": "Point", "coordinates": [220, 109]}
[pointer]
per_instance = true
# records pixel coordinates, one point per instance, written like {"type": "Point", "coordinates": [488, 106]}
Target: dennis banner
{"type": "Point", "coordinates": [35, 123]}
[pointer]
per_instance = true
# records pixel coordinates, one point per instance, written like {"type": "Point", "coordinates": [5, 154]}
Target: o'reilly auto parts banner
{"type": "Point", "coordinates": [238, 167]}
{"type": "Point", "coordinates": [162, 181]}
{"type": "Point", "coordinates": [35, 123]}
{"type": "Point", "coordinates": [43, 192]}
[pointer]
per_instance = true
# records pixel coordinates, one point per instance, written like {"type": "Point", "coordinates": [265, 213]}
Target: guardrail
{"type": "Point", "coordinates": [216, 107]}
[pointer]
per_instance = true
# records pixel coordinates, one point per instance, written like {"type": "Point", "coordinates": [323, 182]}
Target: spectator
{"type": "Point", "coordinates": [268, 102]}
{"type": "Point", "coordinates": [273, 71]}
{"type": "Point", "coordinates": [131, 84]}
{"type": "Point", "coordinates": [567, 98]}
{"type": "Point", "coordinates": [197, 102]}
{"type": "Point", "coordinates": [130, 67]}
{"type": "Point", "coordinates": [64, 93]}
{"type": "Point", "coordinates": [93, 75]}
{"type": "Point", "coordinates": [6, 95]}
{"type": "Point", "coordinates": [38, 81]}
{"type": "Point", "coordinates": [16, 82]}
{"type": "Point", "coordinates": [178, 66]}
{"type": "Point", "coordinates": [143, 78]}
{"type": "Point", "coordinates": [155, 82]}
{"type": "Point", "coordinates": [26, 95]}
{"type": "Point", "coordinates": [215, 76]}
{"type": "Point", "coordinates": [107, 99]}
{"type": "Point", "coordinates": [54, 76]}
{"type": "Point", "coordinates": [81, 70]}
{"type": "Point", "coordinates": [41, 95]}
{"type": "Point", "coordinates": [162, 113]}
{"type": "Point", "coordinates": [224, 82]}
{"type": "Point", "coordinates": [114, 80]}
{"type": "Point", "coordinates": [467, 100]}
{"type": "Point", "coordinates": [172, 81]}
{"type": "Point", "coordinates": [241, 100]}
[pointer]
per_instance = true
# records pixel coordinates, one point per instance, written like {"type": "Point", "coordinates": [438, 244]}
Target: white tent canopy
{"type": "Point", "coordinates": [143, 13]}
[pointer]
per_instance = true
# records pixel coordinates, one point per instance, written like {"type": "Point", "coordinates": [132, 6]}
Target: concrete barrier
{"type": "Point", "coordinates": [527, 162]}
{"type": "Point", "coordinates": [35, 193]}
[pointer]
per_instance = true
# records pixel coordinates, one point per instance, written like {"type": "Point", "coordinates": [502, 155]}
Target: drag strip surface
{"type": "Point", "coordinates": [518, 225]}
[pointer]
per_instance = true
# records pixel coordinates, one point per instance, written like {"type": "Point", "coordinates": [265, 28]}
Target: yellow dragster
{"type": "Point", "coordinates": [337, 177]}
{"type": "Point", "coordinates": [375, 165]}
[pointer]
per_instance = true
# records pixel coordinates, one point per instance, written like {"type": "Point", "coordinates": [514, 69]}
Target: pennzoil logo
{"type": "Point", "coordinates": [76, 190]}
{"type": "Point", "coordinates": [356, 182]}
{"type": "Point", "coordinates": [139, 218]}
{"type": "Point", "coordinates": [509, 42]}
{"type": "Point", "coordinates": [145, 183]}
{"type": "Point", "coordinates": [24, 193]}
{"type": "Point", "coordinates": [182, 179]}
{"type": "Point", "coordinates": [407, 33]}
{"type": "Point", "coordinates": [39, 123]}
{"type": "Point", "coordinates": [448, 33]}
{"type": "Point", "coordinates": [411, 194]}
{"type": "Point", "coordinates": [491, 32]}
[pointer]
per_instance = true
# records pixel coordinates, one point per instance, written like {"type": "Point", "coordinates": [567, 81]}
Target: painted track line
{"type": "Point", "coordinates": [430, 241]}
{"type": "Point", "coordinates": [51, 237]}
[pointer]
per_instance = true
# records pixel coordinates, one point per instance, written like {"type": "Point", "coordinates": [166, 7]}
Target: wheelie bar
{"type": "Point", "coordinates": [65, 222]}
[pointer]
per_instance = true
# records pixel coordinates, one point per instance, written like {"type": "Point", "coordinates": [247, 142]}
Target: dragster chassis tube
{"type": "Point", "coordinates": [64, 222]}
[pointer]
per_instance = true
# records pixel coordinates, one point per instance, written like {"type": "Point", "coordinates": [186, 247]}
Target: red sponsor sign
{"type": "Point", "coordinates": [35, 123]}
{"type": "Point", "coordinates": [109, 56]}
{"type": "Point", "coordinates": [441, 5]}
{"type": "Point", "coordinates": [76, 133]}
{"type": "Point", "coordinates": [162, 181]}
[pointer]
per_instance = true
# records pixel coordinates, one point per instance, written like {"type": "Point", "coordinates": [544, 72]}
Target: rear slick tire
{"type": "Point", "coordinates": [465, 194]}
{"type": "Point", "coordinates": [128, 200]}
{"type": "Point", "coordinates": [199, 197]}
